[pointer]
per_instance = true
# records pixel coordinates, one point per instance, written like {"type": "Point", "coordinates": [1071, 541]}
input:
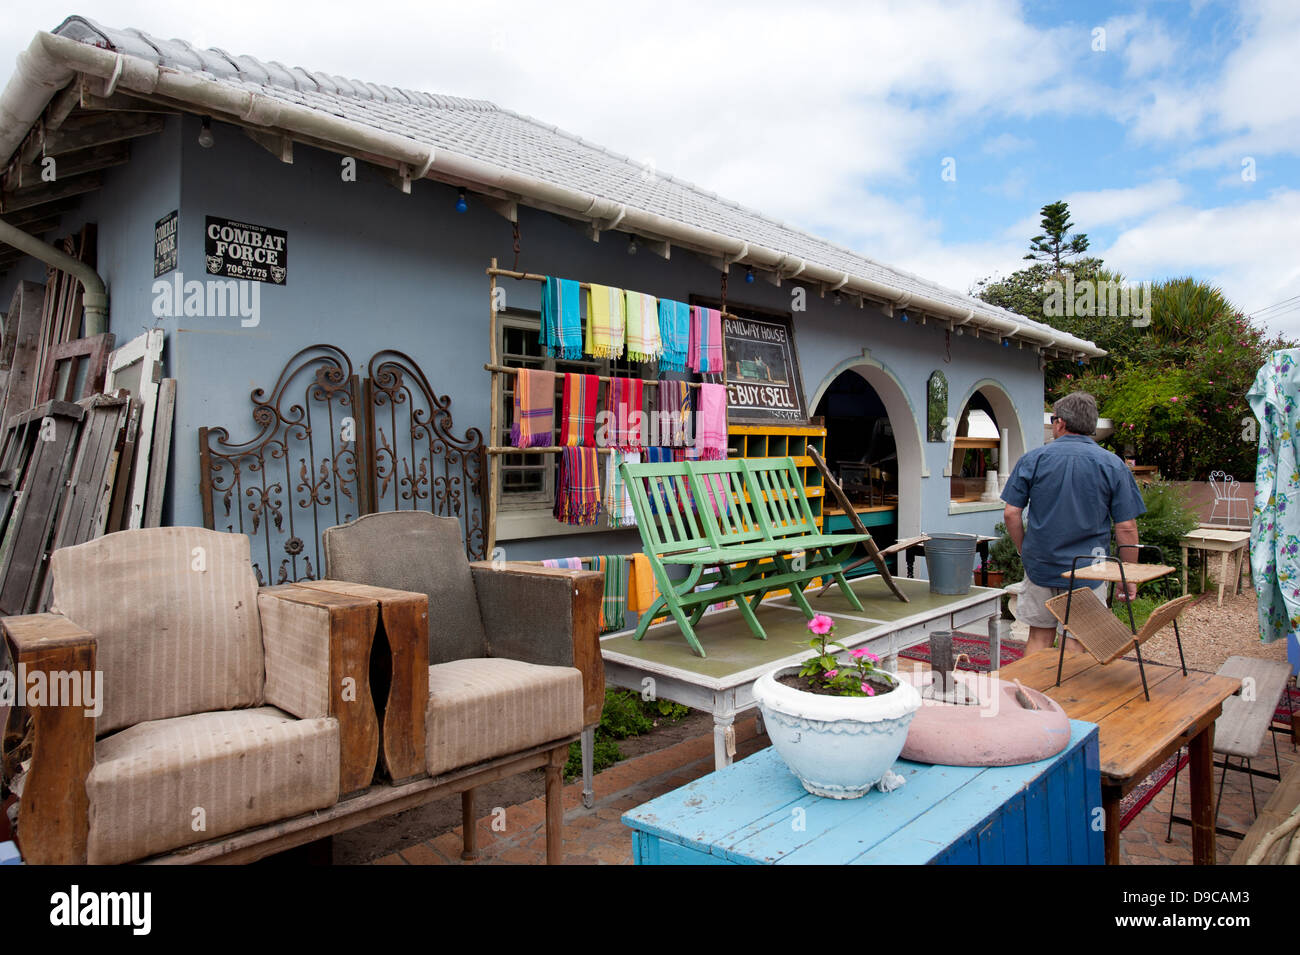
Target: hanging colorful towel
{"type": "Point", "coordinates": [534, 423]}
{"type": "Point", "coordinates": [675, 333]}
{"type": "Point", "coordinates": [625, 403]}
{"type": "Point", "coordinates": [564, 563]}
{"type": "Point", "coordinates": [561, 318]}
{"type": "Point", "coordinates": [705, 352]}
{"type": "Point", "coordinates": [578, 411]}
{"type": "Point", "coordinates": [674, 414]}
{"type": "Point", "coordinates": [642, 591]}
{"type": "Point", "coordinates": [643, 340]}
{"type": "Point", "coordinates": [711, 423]}
{"type": "Point", "coordinates": [606, 322]}
{"type": "Point", "coordinates": [618, 502]}
{"type": "Point", "coordinates": [612, 607]}
{"type": "Point", "coordinates": [577, 492]}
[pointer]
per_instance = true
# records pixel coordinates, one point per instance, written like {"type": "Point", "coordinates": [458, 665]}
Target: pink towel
{"type": "Point", "coordinates": [711, 423]}
{"type": "Point", "coordinates": [704, 354]}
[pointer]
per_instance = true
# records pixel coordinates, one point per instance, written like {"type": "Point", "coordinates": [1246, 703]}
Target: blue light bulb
{"type": "Point", "coordinates": [749, 276]}
{"type": "Point", "coordinates": [461, 204]}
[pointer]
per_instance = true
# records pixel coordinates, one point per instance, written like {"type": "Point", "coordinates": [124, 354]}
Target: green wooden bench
{"type": "Point", "coordinates": [740, 532]}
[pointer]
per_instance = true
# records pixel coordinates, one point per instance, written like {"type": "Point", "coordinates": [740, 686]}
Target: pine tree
{"type": "Point", "coordinates": [1056, 243]}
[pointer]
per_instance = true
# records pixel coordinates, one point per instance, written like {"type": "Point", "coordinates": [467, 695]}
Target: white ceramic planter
{"type": "Point", "coordinates": [838, 746]}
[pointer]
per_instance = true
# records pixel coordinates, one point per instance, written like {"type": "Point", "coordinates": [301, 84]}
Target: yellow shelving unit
{"type": "Point", "coordinates": [780, 441]}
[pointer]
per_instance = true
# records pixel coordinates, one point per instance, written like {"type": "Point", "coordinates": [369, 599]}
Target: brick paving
{"type": "Point", "coordinates": [596, 836]}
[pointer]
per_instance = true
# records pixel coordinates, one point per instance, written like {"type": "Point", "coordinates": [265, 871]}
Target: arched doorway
{"type": "Point", "coordinates": [872, 428]}
{"type": "Point", "coordinates": [988, 436]}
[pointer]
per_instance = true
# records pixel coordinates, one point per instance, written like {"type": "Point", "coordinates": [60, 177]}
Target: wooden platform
{"type": "Point", "coordinates": [663, 665]}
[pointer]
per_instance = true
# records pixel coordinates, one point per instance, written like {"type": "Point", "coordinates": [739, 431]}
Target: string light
{"type": "Point", "coordinates": [462, 204]}
{"type": "Point", "coordinates": [205, 133]}
{"type": "Point", "coordinates": [631, 245]}
{"type": "Point", "coordinates": [749, 275]}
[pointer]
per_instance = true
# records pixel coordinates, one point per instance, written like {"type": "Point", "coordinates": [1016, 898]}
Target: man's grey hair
{"type": "Point", "coordinates": [1078, 411]}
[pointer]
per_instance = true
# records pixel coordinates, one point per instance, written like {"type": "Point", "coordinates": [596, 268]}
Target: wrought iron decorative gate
{"type": "Point", "coordinates": [332, 446]}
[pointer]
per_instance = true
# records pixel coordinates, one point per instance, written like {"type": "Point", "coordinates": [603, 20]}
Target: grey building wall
{"type": "Point", "coordinates": [371, 268]}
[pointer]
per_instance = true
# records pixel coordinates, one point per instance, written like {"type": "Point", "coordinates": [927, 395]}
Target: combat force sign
{"type": "Point", "coordinates": [240, 250]}
{"type": "Point", "coordinates": [763, 378]}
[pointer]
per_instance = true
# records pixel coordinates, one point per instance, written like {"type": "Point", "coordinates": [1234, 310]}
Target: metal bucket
{"type": "Point", "coordinates": [950, 562]}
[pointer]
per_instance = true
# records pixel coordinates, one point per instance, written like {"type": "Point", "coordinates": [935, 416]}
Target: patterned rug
{"type": "Point", "coordinates": [974, 646]}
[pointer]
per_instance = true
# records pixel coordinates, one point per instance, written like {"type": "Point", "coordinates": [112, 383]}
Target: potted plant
{"type": "Point", "coordinates": [839, 725]}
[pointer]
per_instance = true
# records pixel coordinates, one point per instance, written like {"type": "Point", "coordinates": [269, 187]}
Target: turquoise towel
{"type": "Point", "coordinates": [561, 318]}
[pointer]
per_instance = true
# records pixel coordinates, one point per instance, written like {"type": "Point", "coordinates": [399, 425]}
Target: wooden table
{"type": "Point", "coordinates": [1224, 542]}
{"type": "Point", "coordinates": [1138, 735]}
{"type": "Point", "coordinates": [756, 811]}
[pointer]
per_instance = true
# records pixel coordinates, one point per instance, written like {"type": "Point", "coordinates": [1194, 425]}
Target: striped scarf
{"type": "Point", "coordinates": [618, 502]}
{"type": "Point", "coordinates": [675, 333]}
{"type": "Point", "coordinates": [643, 341]}
{"type": "Point", "coordinates": [564, 563]}
{"type": "Point", "coordinates": [626, 404]}
{"type": "Point", "coordinates": [577, 493]}
{"type": "Point", "coordinates": [674, 413]}
{"type": "Point", "coordinates": [561, 318]}
{"type": "Point", "coordinates": [578, 417]}
{"type": "Point", "coordinates": [534, 419]}
{"type": "Point", "coordinates": [704, 354]}
{"type": "Point", "coordinates": [614, 567]}
{"type": "Point", "coordinates": [606, 323]}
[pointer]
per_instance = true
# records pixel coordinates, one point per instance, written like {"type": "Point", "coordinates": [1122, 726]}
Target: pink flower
{"type": "Point", "coordinates": [1174, 398]}
{"type": "Point", "coordinates": [821, 624]}
{"type": "Point", "coordinates": [868, 690]}
{"type": "Point", "coordinates": [830, 674]}
{"type": "Point", "coordinates": [861, 652]}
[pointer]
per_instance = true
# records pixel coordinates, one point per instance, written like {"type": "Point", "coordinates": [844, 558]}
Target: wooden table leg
{"type": "Point", "coordinates": [1223, 574]}
{"type": "Point", "coordinates": [1202, 779]}
{"type": "Point", "coordinates": [555, 805]}
{"type": "Point", "coordinates": [1110, 799]}
{"type": "Point", "coordinates": [468, 826]}
{"type": "Point", "coordinates": [1184, 571]}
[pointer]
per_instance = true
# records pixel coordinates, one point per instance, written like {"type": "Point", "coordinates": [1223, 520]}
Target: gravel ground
{"type": "Point", "coordinates": [1210, 633]}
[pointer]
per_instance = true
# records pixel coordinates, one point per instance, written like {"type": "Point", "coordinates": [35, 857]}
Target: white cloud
{"type": "Point", "coordinates": [1247, 248]}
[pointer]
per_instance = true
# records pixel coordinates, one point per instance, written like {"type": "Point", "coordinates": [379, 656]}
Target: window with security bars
{"type": "Point", "coordinates": [528, 480]}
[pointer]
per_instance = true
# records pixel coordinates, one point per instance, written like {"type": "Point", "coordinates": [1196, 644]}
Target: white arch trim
{"type": "Point", "coordinates": [909, 442]}
{"type": "Point", "coordinates": [1004, 410]}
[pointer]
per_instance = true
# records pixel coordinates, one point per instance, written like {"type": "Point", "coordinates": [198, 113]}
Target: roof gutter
{"type": "Point", "coordinates": [94, 296]}
{"type": "Point", "coordinates": [53, 57]}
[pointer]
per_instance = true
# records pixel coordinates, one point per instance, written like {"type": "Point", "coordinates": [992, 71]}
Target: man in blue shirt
{"type": "Point", "coordinates": [1074, 490]}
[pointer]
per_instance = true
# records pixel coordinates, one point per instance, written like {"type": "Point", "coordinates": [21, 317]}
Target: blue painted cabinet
{"type": "Point", "coordinates": [756, 812]}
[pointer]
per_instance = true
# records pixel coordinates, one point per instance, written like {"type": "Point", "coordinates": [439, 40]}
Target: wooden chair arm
{"type": "Point", "coordinates": [54, 809]}
{"type": "Point", "coordinates": [403, 635]}
{"type": "Point", "coordinates": [318, 664]}
{"type": "Point", "coordinates": [545, 615]}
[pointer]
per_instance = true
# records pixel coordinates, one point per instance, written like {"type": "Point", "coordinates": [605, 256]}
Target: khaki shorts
{"type": "Point", "coordinates": [1031, 606]}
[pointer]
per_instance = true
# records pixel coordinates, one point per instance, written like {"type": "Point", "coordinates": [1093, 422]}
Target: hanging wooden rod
{"type": "Point", "coordinates": [508, 370]}
{"type": "Point", "coordinates": [534, 277]}
{"type": "Point", "coordinates": [552, 449]}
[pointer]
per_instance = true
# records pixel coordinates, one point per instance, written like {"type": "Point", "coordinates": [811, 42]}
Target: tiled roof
{"type": "Point", "coordinates": [484, 132]}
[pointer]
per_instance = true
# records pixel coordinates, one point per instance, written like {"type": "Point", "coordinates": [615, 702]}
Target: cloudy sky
{"type": "Point", "coordinates": [1171, 128]}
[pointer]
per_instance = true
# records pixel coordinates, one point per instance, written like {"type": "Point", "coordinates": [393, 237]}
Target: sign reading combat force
{"type": "Point", "coordinates": [164, 244]}
{"type": "Point", "coordinates": [763, 380]}
{"type": "Point", "coordinates": [238, 250]}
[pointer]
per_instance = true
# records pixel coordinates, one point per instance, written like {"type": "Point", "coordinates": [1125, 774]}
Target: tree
{"type": "Point", "coordinates": [1056, 244]}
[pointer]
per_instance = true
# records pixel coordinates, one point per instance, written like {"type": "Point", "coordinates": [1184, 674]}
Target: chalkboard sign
{"type": "Point", "coordinates": [763, 380]}
{"type": "Point", "coordinates": [240, 250]}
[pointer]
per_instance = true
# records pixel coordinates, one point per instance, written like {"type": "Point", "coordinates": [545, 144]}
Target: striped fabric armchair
{"type": "Point", "coordinates": [181, 703]}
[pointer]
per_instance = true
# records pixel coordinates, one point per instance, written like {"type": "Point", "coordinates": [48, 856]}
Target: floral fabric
{"type": "Point", "coordinates": [1275, 529]}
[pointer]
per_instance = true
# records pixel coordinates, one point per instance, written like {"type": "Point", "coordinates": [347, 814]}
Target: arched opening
{"type": "Point", "coordinates": [988, 437]}
{"type": "Point", "coordinates": [873, 445]}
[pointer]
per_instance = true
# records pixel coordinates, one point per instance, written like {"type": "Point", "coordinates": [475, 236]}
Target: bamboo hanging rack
{"type": "Point", "coordinates": [508, 370]}
{"type": "Point", "coordinates": [497, 369]}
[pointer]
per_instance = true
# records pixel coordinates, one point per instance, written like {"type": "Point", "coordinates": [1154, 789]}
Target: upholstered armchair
{"type": "Point", "coordinates": [207, 708]}
{"type": "Point", "coordinates": [514, 670]}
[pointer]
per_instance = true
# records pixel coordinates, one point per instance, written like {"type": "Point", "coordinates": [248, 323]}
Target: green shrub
{"type": "Point", "coordinates": [1142, 608]}
{"type": "Point", "coordinates": [624, 714]}
{"type": "Point", "coordinates": [1003, 556]}
{"type": "Point", "coordinates": [1167, 521]}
